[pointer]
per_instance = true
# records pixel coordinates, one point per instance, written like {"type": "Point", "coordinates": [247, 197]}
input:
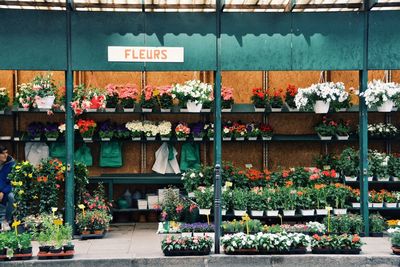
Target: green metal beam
{"type": "Point", "coordinates": [69, 121]}
{"type": "Point", "coordinates": [372, 3]}
{"type": "Point", "coordinates": [290, 6]}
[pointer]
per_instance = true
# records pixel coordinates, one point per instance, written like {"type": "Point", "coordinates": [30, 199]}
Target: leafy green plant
{"type": "Point", "coordinates": [376, 223]}
{"type": "Point", "coordinates": [204, 197]}
{"type": "Point", "coordinates": [348, 162]}
{"type": "Point", "coordinates": [240, 199]}
{"type": "Point", "coordinates": [24, 241]}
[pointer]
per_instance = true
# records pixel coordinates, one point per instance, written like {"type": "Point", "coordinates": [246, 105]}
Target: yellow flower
{"type": "Point", "coordinates": [21, 192]}
{"type": "Point", "coordinates": [15, 205]}
{"type": "Point", "coordinates": [17, 167]}
{"type": "Point", "coordinates": [58, 221]}
{"type": "Point", "coordinates": [81, 206]}
{"type": "Point", "coordinates": [156, 92]}
{"type": "Point", "coordinates": [16, 223]}
{"type": "Point", "coordinates": [246, 217]}
{"type": "Point", "coordinates": [35, 197]}
{"type": "Point", "coordinates": [228, 184]}
{"type": "Point", "coordinates": [20, 183]}
{"type": "Point", "coordinates": [14, 183]}
{"type": "Point", "coordinates": [54, 209]}
{"type": "Point", "coordinates": [30, 175]}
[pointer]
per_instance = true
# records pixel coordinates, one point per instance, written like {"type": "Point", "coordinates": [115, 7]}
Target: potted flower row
{"type": "Point", "coordinates": [15, 246]}
{"type": "Point", "coordinates": [93, 222]}
{"type": "Point", "coordinates": [250, 131]}
{"type": "Point", "coordinates": [197, 229]}
{"type": "Point", "coordinates": [382, 130]}
{"type": "Point", "coordinates": [4, 99]}
{"type": "Point", "coordinates": [265, 243]}
{"type": "Point", "coordinates": [382, 96]}
{"type": "Point", "coordinates": [395, 239]}
{"type": "Point", "coordinates": [336, 244]}
{"type": "Point", "coordinates": [376, 199]}
{"type": "Point", "coordinates": [328, 128]}
{"type": "Point", "coordinates": [185, 246]}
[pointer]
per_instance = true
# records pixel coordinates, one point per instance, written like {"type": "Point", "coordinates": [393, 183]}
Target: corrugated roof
{"type": "Point", "coordinates": [203, 5]}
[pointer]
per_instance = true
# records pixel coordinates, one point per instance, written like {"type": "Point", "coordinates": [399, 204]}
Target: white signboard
{"type": "Point", "coordinates": [145, 54]}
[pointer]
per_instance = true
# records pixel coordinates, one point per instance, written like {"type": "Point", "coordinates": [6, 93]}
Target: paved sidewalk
{"type": "Point", "coordinates": [139, 245]}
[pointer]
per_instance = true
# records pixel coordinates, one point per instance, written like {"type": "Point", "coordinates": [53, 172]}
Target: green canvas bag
{"type": "Point", "coordinates": [84, 155]}
{"type": "Point", "coordinates": [110, 154]}
{"type": "Point", "coordinates": [58, 151]}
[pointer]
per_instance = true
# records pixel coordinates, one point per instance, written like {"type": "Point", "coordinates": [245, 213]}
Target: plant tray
{"type": "Point", "coordinates": [16, 257]}
{"type": "Point", "coordinates": [291, 251]}
{"type": "Point", "coordinates": [62, 255]}
{"type": "Point", "coordinates": [335, 251]}
{"type": "Point", "coordinates": [93, 236]}
{"type": "Point", "coordinates": [243, 251]}
{"type": "Point", "coordinates": [186, 252]}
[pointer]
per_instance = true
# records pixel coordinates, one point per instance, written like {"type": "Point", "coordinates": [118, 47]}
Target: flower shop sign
{"type": "Point", "coordinates": [145, 54]}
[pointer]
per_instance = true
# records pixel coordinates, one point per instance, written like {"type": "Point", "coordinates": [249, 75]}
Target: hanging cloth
{"type": "Point", "coordinates": [166, 161]}
{"type": "Point", "coordinates": [35, 152]}
{"type": "Point", "coordinates": [84, 155]}
{"type": "Point", "coordinates": [190, 156]}
{"type": "Point", "coordinates": [110, 154]}
{"type": "Point", "coordinates": [58, 151]}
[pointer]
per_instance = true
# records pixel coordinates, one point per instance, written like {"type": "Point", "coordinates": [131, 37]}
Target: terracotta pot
{"type": "Point", "coordinates": [396, 250]}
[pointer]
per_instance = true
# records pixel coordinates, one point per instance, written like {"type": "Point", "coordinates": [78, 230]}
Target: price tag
{"type": "Point", "coordinates": [228, 184]}
{"type": "Point", "coordinates": [328, 208]}
{"type": "Point", "coordinates": [248, 166]}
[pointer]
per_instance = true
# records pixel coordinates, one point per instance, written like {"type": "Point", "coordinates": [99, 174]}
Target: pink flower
{"type": "Point", "coordinates": [227, 93]}
{"type": "Point", "coordinates": [165, 89]}
{"type": "Point", "coordinates": [129, 91]}
{"type": "Point", "coordinates": [148, 92]}
{"type": "Point", "coordinates": [111, 89]}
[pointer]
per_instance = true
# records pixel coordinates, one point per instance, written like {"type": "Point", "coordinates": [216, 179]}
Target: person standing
{"type": "Point", "coordinates": [6, 195]}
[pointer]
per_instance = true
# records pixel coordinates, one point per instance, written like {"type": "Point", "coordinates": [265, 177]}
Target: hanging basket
{"type": "Point", "coordinates": [193, 107]}
{"type": "Point", "coordinates": [321, 107]}
{"type": "Point", "coordinates": [45, 102]}
{"type": "Point", "coordinates": [386, 106]}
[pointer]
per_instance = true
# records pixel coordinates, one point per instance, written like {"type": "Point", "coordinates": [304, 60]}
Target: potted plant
{"type": "Point", "coordinates": [339, 195]}
{"type": "Point", "coordinates": [204, 198]}
{"type": "Point", "coordinates": [45, 91]}
{"type": "Point", "coordinates": [348, 244]}
{"type": "Point", "coordinates": [275, 101]}
{"type": "Point", "coordinates": [51, 131]}
{"type": "Point", "coordinates": [240, 202]}
{"type": "Point", "coordinates": [316, 228]}
{"type": "Point", "coordinates": [239, 131]}
{"type": "Point", "coordinates": [259, 99]}
{"type": "Point", "coordinates": [318, 96]}
{"type": "Point", "coordinates": [186, 246]}
{"type": "Point", "coordinates": [121, 132]}
{"type": "Point", "coordinates": [35, 130]}
{"type": "Point", "coordinates": [128, 96]}
{"type": "Point", "coordinates": [382, 130]}
{"type": "Point", "coordinates": [394, 166]}
{"type": "Point", "coordinates": [253, 132]}
{"type": "Point", "coordinates": [266, 131]}
{"type": "Point", "coordinates": [239, 243]}
{"type": "Point", "coordinates": [395, 239]}
{"type": "Point", "coordinates": [256, 202]}
{"type": "Point", "coordinates": [305, 201]}
{"type": "Point", "coordinates": [376, 198]}
{"type": "Point", "coordinates": [377, 225]}
{"type": "Point", "coordinates": [271, 197]}
{"type": "Point", "coordinates": [106, 131]}
{"type": "Point", "coordinates": [164, 98]}
{"type": "Point", "coordinates": [197, 130]}
{"type": "Point", "coordinates": [194, 93]}
{"type": "Point", "coordinates": [136, 129]}
{"type": "Point", "coordinates": [25, 97]}
{"type": "Point", "coordinates": [86, 128]}
{"type": "Point", "coordinates": [326, 129]}
{"type": "Point", "coordinates": [165, 130]}
{"type": "Point", "coordinates": [288, 200]}
{"type": "Point", "coordinates": [390, 199]}
{"type": "Point", "coordinates": [290, 94]}
{"type": "Point", "coordinates": [112, 97]}
{"type": "Point", "coordinates": [4, 99]}
{"type": "Point", "coordinates": [342, 130]}
{"type": "Point", "coordinates": [150, 130]}
{"type": "Point", "coordinates": [227, 132]}
{"type": "Point", "coordinates": [379, 165]}
{"type": "Point", "coordinates": [182, 131]}
{"type": "Point", "coordinates": [320, 198]}
{"type": "Point", "coordinates": [24, 243]}
{"type": "Point", "coordinates": [347, 164]}
{"type": "Point", "coordinates": [147, 100]}
{"type": "Point", "coordinates": [226, 99]}
{"type": "Point", "coordinates": [381, 95]}
{"type": "Point", "coordinates": [209, 128]}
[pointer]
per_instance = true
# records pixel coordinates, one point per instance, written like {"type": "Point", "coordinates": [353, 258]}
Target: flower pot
{"type": "Point", "coordinates": [356, 205]}
{"type": "Point", "coordinates": [342, 110]}
{"type": "Point", "coordinates": [239, 212]}
{"type": "Point", "coordinates": [85, 232]}
{"type": "Point", "coordinates": [386, 106]}
{"type": "Point", "coordinates": [44, 249]}
{"type": "Point", "coordinates": [223, 212]}
{"type": "Point", "coordinates": [321, 211]}
{"type": "Point", "coordinates": [165, 110]}
{"type": "Point", "coordinates": [266, 138]}
{"type": "Point", "coordinates": [204, 211]}
{"type": "Point", "coordinates": [150, 138]}
{"type": "Point", "coordinates": [91, 110]}
{"type": "Point", "coordinates": [5, 137]}
{"type": "Point", "coordinates": [226, 110]}
{"type": "Point", "coordinates": [350, 178]}
{"type": "Point", "coordinates": [211, 138]}
{"type": "Point", "coordinates": [339, 211]}
{"type": "Point", "coordinates": [193, 106]}
{"type": "Point", "coordinates": [105, 139]}
{"type": "Point", "coordinates": [55, 250]}
{"type": "Point", "coordinates": [198, 138]}
{"type": "Point", "coordinates": [276, 109]}
{"type": "Point", "coordinates": [26, 250]}
{"type": "Point", "coordinates": [51, 139]}
{"type": "Point", "coordinates": [289, 212]}
{"type": "Point", "coordinates": [165, 138]}
{"type": "Point", "coordinates": [321, 106]}
{"type": "Point", "coordinates": [147, 110]}
{"type": "Point", "coordinates": [307, 212]}
{"type": "Point", "coordinates": [252, 138]}
{"type": "Point", "coordinates": [272, 213]}
{"type": "Point", "coordinates": [390, 205]}
{"type": "Point", "coordinates": [396, 250]}
{"type": "Point", "coordinates": [383, 179]}
{"type": "Point", "coordinates": [325, 137]}
{"type": "Point", "coordinates": [239, 138]}
{"type": "Point", "coordinates": [377, 205]}
{"type": "Point", "coordinates": [98, 232]}
{"type": "Point", "coordinates": [68, 248]}
{"type": "Point", "coordinates": [206, 110]}
{"type": "Point", "coordinates": [181, 138]}
{"type": "Point", "coordinates": [290, 108]}
{"type": "Point", "coordinates": [395, 179]}
{"type": "Point", "coordinates": [369, 205]}
{"type": "Point", "coordinates": [129, 109]}
{"type": "Point", "coordinates": [110, 109]}
{"type": "Point", "coordinates": [342, 137]}
{"type": "Point", "coordinates": [45, 103]}
{"type": "Point", "coordinates": [226, 138]}
{"type": "Point", "coordinates": [257, 213]}
{"type": "Point", "coordinates": [87, 139]}
{"type": "Point", "coordinates": [259, 109]}
{"type": "Point", "coordinates": [36, 139]}
{"type": "Point", "coordinates": [370, 178]}
{"type": "Point", "coordinates": [23, 109]}
{"type": "Point", "coordinates": [186, 234]}
{"type": "Point", "coordinates": [136, 138]}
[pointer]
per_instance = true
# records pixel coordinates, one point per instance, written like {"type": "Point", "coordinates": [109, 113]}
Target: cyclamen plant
{"type": "Point", "coordinates": [226, 97]}
{"type": "Point", "coordinates": [266, 130]}
{"type": "Point", "coordinates": [25, 97]}
{"type": "Point", "coordinates": [111, 96]}
{"type": "Point", "coordinates": [147, 98]}
{"type": "Point", "coordinates": [163, 96]}
{"type": "Point", "coordinates": [275, 100]}
{"type": "Point", "coordinates": [128, 95]}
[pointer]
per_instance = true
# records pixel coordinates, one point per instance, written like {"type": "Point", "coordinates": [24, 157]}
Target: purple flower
{"type": "Point", "coordinates": [51, 127]}
{"type": "Point", "coordinates": [197, 129]}
{"type": "Point", "coordinates": [35, 129]}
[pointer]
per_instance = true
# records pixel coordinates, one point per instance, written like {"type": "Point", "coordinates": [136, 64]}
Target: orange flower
{"type": "Point", "coordinates": [356, 238]}
{"type": "Point", "coordinates": [289, 183]}
{"type": "Point", "coordinates": [316, 237]}
{"type": "Point", "coordinates": [285, 173]}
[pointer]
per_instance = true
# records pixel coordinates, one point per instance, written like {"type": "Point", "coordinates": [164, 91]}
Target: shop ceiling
{"type": "Point", "coordinates": [204, 5]}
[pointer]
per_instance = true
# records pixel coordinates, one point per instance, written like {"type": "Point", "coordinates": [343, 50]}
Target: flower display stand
{"type": "Point", "coordinates": [321, 107]}
{"type": "Point", "coordinates": [386, 106]}
{"type": "Point", "coordinates": [50, 256]}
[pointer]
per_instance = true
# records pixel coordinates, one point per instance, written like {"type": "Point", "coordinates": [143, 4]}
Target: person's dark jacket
{"type": "Point", "coordinates": [5, 183]}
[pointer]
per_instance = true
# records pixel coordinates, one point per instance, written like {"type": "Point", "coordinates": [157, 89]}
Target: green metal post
{"type": "Point", "coordinates": [363, 119]}
{"type": "Point", "coordinates": [69, 123]}
{"type": "Point", "coordinates": [217, 132]}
